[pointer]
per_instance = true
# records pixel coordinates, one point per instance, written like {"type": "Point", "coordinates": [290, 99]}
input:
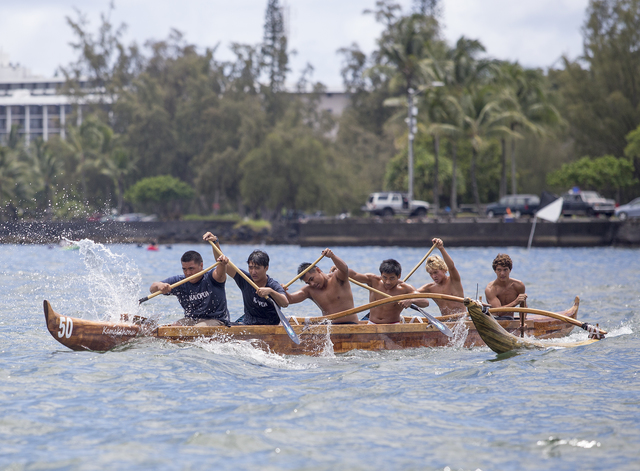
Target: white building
{"type": "Point", "coordinates": [32, 103]}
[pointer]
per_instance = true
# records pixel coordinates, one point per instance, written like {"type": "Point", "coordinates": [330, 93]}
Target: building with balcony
{"type": "Point", "coordinates": [33, 103]}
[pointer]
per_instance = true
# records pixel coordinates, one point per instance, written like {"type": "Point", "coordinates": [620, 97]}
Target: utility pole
{"type": "Point", "coordinates": [411, 121]}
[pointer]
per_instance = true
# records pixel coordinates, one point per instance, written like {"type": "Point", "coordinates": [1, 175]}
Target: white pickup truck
{"type": "Point", "coordinates": [392, 203]}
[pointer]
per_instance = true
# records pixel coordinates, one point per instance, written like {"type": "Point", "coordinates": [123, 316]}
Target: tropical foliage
{"type": "Point", "coordinates": [176, 131]}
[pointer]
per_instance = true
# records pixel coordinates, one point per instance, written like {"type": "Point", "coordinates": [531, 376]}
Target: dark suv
{"type": "Point", "coordinates": [588, 203]}
{"type": "Point", "coordinates": [518, 204]}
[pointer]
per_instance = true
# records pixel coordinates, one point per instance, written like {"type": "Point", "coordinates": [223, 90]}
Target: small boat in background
{"type": "Point", "coordinates": [68, 245]}
{"type": "Point", "coordinates": [153, 246]}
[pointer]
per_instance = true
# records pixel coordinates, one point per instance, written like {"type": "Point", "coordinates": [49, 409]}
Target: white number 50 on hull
{"type": "Point", "coordinates": [66, 327]}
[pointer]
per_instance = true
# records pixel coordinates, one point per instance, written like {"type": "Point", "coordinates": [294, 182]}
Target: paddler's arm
{"type": "Point", "coordinates": [492, 299]}
{"type": "Point", "coordinates": [420, 302]}
{"type": "Point", "coordinates": [343, 270]}
{"type": "Point", "coordinates": [453, 271]}
{"type": "Point", "coordinates": [165, 288]}
{"type": "Point", "coordinates": [213, 238]}
{"type": "Point", "coordinates": [365, 278]}
{"type": "Point", "coordinates": [279, 298]}
{"type": "Point", "coordinates": [219, 273]}
{"type": "Point", "coordinates": [298, 296]}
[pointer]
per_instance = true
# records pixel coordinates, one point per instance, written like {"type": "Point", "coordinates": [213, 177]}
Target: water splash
{"type": "Point", "coordinates": [460, 333]}
{"type": "Point", "coordinates": [252, 352]}
{"type": "Point", "coordinates": [112, 282]}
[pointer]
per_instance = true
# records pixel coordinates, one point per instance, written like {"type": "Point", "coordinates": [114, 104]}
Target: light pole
{"type": "Point", "coordinates": [413, 129]}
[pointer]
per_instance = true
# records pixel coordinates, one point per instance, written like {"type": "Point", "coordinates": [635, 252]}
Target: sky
{"type": "Point", "coordinates": [537, 33]}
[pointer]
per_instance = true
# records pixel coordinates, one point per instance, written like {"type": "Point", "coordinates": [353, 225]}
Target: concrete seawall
{"type": "Point", "coordinates": [331, 232]}
{"type": "Point", "coordinates": [470, 233]}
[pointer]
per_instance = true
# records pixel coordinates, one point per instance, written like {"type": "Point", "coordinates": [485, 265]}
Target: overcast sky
{"type": "Point", "coordinates": [34, 33]}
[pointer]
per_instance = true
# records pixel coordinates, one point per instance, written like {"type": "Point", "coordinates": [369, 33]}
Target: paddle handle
{"type": "Point", "coordinates": [555, 315]}
{"type": "Point", "coordinates": [181, 282]}
{"type": "Point", "coordinates": [420, 263]}
{"type": "Point", "coordinates": [302, 273]}
{"type": "Point", "coordinates": [218, 252]}
{"type": "Point", "coordinates": [370, 288]}
{"type": "Point", "coordinates": [380, 302]}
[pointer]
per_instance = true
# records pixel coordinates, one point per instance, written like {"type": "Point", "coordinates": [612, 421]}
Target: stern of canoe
{"type": "Point", "coordinates": [80, 334]}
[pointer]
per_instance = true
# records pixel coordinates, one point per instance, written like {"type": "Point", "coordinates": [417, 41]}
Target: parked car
{"type": "Point", "coordinates": [134, 217]}
{"type": "Point", "coordinates": [629, 210]}
{"type": "Point", "coordinates": [391, 203]}
{"type": "Point", "coordinates": [588, 203]}
{"type": "Point", "coordinates": [519, 205]}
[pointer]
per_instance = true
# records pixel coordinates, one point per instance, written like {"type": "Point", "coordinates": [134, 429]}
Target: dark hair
{"type": "Point", "coordinates": [502, 260]}
{"type": "Point", "coordinates": [191, 256]}
{"type": "Point", "coordinates": [258, 257]}
{"type": "Point", "coordinates": [303, 267]}
{"type": "Point", "coordinates": [391, 266]}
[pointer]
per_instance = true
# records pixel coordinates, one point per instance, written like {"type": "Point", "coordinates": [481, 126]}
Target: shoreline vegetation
{"type": "Point", "coordinates": [171, 129]}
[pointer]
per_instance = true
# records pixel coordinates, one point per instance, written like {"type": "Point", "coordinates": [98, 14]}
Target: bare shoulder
{"type": "Point", "coordinates": [518, 284]}
{"type": "Point", "coordinates": [428, 288]}
{"type": "Point", "coordinates": [490, 286]}
{"type": "Point", "coordinates": [406, 287]}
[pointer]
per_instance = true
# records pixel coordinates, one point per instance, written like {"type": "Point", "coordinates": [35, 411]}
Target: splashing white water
{"type": "Point", "coordinates": [111, 284]}
{"type": "Point", "coordinates": [460, 332]}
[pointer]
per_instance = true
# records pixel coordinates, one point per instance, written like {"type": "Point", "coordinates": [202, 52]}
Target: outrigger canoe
{"type": "Point", "coordinates": [500, 340]}
{"type": "Point", "coordinates": [81, 334]}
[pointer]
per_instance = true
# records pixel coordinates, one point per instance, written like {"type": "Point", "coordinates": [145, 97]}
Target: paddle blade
{"type": "Point", "coordinates": [439, 325]}
{"type": "Point", "coordinates": [285, 323]}
{"type": "Point", "coordinates": [142, 300]}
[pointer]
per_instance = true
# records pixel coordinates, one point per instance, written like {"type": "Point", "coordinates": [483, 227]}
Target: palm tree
{"type": "Point", "coordinates": [534, 111]}
{"type": "Point", "coordinates": [87, 142]}
{"type": "Point", "coordinates": [118, 165]}
{"type": "Point", "coordinates": [13, 178]}
{"type": "Point", "coordinates": [483, 116]}
{"type": "Point", "coordinates": [406, 56]}
{"type": "Point", "coordinates": [45, 166]}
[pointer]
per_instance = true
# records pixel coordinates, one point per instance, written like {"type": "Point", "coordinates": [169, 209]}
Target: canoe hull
{"type": "Point", "coordinates": [80, 334]}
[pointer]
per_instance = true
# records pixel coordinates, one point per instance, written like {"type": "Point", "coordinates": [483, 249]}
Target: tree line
{"type": "Point", "coordinates": [175, 131]}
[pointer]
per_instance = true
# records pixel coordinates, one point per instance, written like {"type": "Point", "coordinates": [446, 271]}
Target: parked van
{"type": "Point", "coordinates": [518, 204]}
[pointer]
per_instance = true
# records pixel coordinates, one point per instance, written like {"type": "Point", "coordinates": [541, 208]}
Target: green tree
{"type": "Point", "coordinates": [87, 143]}
{"type": "Point", "coordinates": [118, 165]}
{"type": "Point", "coordinates": [103, 60]}
{"type": "Point", "coordinates": [289, 170]}
{"type": "Point", "coordinates": [601, 90]}
{"type": "Point", "coordinates": [162, 194]}
{"type": "Point", "coordinates": [608, 175]}
{"type": "Point", "coordinates": [532, 111]}
{"type": "Point", "coordinates": [483, 117]}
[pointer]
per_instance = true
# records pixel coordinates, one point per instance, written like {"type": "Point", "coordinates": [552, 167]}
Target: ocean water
{"type": "Point", "coordinates": [156, 405]}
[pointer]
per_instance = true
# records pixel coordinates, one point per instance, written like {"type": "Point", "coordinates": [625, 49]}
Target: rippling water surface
{"type": "Point", "coordinates": [154, 405]}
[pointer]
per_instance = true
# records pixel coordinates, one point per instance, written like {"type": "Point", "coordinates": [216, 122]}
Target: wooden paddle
{"type": "Point", "coordinates": [287, 327]}
{"type": "Point", "coordinates": [555, 315]}
{"type": "Point", "coordinates": [380, 302]}
{"type": "Point", "coordinates": [441, 327]}
{"type": "Point", "coordinates": [302, 273]}
{"type": "Point", "coordinates": [420, 263]}
{"type": "Point", "coordinates": [181, 282]}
